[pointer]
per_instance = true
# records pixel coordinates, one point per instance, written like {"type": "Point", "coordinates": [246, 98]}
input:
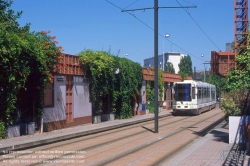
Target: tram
{"type": "Point", "coordinates": [193, 97]}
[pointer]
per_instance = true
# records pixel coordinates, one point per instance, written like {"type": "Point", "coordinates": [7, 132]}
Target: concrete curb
{"type": "Point", "coordinates": [44, 141]}
{"type": "Point", "coordinates": [211, 126]}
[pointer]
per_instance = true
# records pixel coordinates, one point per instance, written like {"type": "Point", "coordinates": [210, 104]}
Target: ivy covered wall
{"type": "Point", "coordinates": [114, 78]}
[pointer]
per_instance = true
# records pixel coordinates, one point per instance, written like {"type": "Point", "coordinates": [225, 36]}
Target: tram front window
{"type": "Point", "coordinates": [183, 92]}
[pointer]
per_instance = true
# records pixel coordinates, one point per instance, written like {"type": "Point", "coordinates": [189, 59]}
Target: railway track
{"type": "Point", "coordinates": [131, 145]}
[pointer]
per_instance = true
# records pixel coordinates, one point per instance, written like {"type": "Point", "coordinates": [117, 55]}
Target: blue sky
{"type": "Point", "coordinates": [99, 25]}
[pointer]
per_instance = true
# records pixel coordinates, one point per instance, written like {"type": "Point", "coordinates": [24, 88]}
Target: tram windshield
{"type": "Point", "coordinates": [183, 92]}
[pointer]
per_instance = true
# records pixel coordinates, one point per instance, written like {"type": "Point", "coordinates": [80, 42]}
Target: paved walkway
{"type": "Point", "coordinates": [212, 149]}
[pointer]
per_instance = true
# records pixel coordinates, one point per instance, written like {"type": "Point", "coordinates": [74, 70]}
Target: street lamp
{"type": "Point", "coordinates": [117, 70]}
{"type": "Point", "coordinates": [163, 54]}
{"type": "Point", "coordinates": [202, 55]}
{"type": "Point", "coordinates": [126, 54]}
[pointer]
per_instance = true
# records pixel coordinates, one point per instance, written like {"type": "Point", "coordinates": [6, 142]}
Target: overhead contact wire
{"type": "Point", "coordinates": [151, 28]}
{"type": "Point", "coordinates": [198, 26]}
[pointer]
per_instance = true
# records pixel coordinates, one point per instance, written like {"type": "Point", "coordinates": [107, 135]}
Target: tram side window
{"type": "Point", "coordinates": [205, 89]}
{"type": "Point", "coordinates": [193, 92]}
{"type": "Point", "coordinates": [199, 93]}
{"type": "Point", "coordinates": [213, 94]}
{"type": "Point", "coordinates": [209, 92]}
{"type": "Point", "coordinates": [204, 92]}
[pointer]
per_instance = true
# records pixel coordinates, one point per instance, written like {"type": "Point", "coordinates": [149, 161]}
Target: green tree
{"type": "Point", "coordinates": [239, 78]}
{"type": "Point", "coordinates": [237, 83]}
{"type": "Point", "coordinates": [169, 67]}
{"type": "Point", "coordinates": [25, 57]}
{"type": "Point", "coordinates": [12, 43]}
{"type": "Point", "coordinates": [185, 65]}
{"type": "Point", "coordinates": [216, 80]}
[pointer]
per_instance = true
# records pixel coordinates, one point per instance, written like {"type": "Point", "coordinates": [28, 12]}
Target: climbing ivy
{"type": "Point", "coordinates": [2, 130]}
{"type": "Point", "coordinates": [150, 96]}
{"type": "Point", "coordinates": [160, 84]}
{"type": "Point", "coordinates": [150, 90]}
{"type": "Point", "coordinates": [113, 76]}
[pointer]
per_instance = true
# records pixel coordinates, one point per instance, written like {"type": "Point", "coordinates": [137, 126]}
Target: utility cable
{"type": "Point", "coordinates": [188, 2]}
{"type": "Point", "coordinates": [181, 48]}
{"type": "Point", "coordinates": [130, 14]}
{"type": "Point", "coordinates": [198, 25]}
{"type": "Point", "coordinates": [130, 4]}
{"type": "Point", "coordinates": [152, 28]}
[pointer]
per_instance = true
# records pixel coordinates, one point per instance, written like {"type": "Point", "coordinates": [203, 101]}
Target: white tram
{"type": "Point", "coordinates": [193, 97]}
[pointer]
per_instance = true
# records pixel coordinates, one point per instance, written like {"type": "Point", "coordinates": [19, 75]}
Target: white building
{"type": "Point", "coordinates": [173, 57]}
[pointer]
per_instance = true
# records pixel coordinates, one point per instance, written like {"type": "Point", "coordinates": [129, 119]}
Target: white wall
{"type": "Point", "coordinates": [82, 106]}
{"type": "Point", "coordinates": [175, 60]}
{"type": "Point", "coordinates": [58, 112]}
{"type": "Point", "coordinates": [236, 126]}
{"type": "Point", "coordinates": [173, 57]}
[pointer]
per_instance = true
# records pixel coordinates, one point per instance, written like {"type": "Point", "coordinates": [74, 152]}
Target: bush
{"type": "Point", "coordinates": [151, 108]}
{"type": "Point", "coordinates": [2, 130]}
{"type": "Point", "coordinates": [230, 108]}
{"type": "Point", "coordinates": [235, 103]}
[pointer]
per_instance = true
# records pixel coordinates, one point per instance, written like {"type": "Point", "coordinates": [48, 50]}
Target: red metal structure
{"type": "Point", "coordinates": [70, 64]}
{"type": "Point", "coordinates": [240, 26]}
{"type": "Point", "coordinates": [222, 62]}
{"type": "Point", "coordinates": [148, 74]}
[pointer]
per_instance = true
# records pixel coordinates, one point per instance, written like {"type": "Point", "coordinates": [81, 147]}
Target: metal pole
{"type": "Point", "coordinates": [163, 56]}
{"type": "Point", "coordinates": [194, 73]}
{"type": "Point", "coordinates": [219, 92]}
{"type": "Point", "coordinates": [169, 96]}
{"type": "Point", "coordinates": [204, 70]}
{"type": "Point", "coordinates": [205, 74]}
{"type": "Point", "coordinates": [156, 62]}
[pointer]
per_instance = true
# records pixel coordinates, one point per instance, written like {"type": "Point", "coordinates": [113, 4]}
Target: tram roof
{"type": "Point", "coordinates": [196, 82]}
